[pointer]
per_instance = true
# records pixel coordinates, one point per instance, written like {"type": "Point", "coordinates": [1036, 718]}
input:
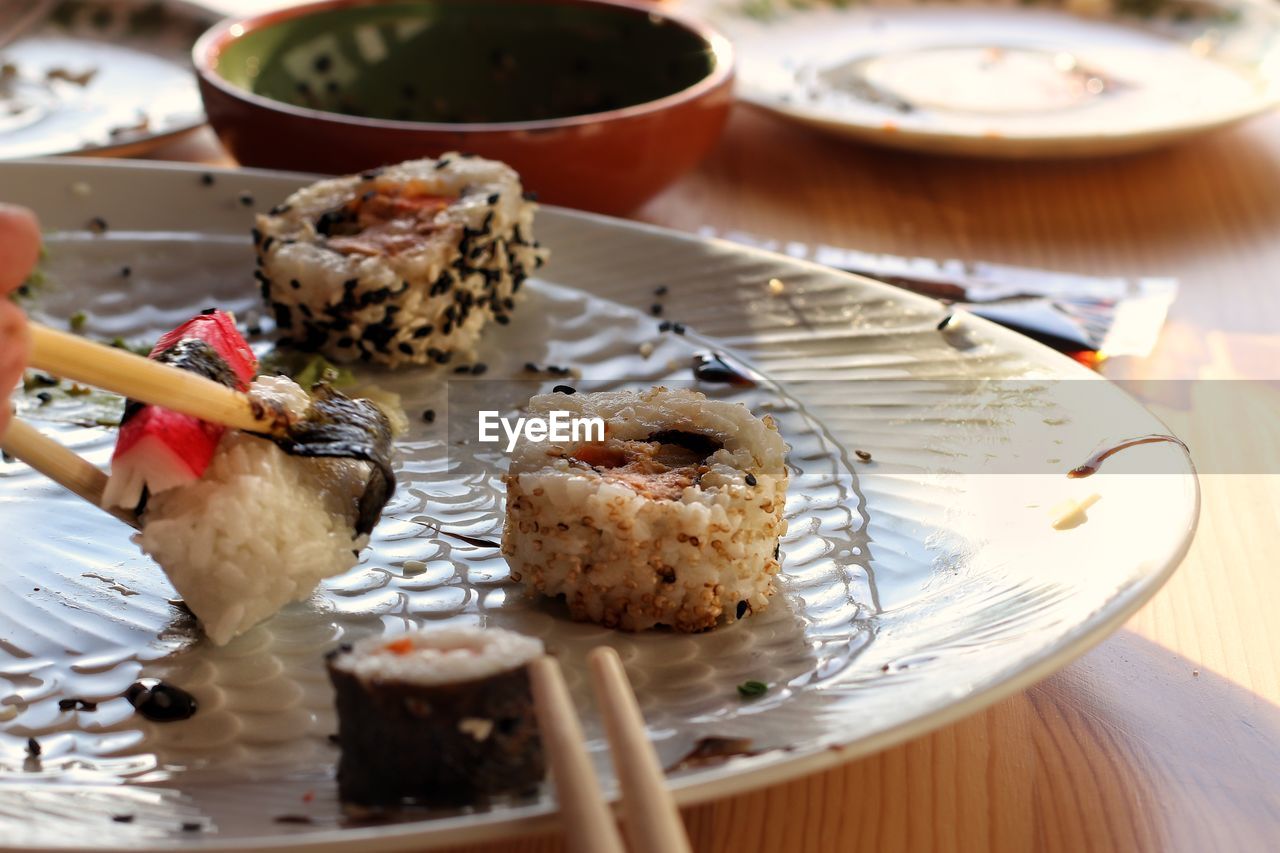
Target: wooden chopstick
{"type": "Point", "coordinates": [138, 378]}
{"type": "Point", "coordinates": [652, 821]}
{"type": "Point", "coordinates": [63, 466]}
{"type": "Point", "coordinates": [588, 822]}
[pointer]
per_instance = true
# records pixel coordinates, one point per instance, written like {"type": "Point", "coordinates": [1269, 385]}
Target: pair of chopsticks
{"type": "Point", "coordinates": [81, 360]}
{"type": "Point", "coordinates": [155, 383]}
{"type": "Point", "coordinates": [652, 820]}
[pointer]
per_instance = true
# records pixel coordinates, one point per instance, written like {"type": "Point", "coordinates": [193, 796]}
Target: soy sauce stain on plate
{"type": "Point", "coordinates": [1094, 462]}
{"type": "Point", "coordinates": [714, 750]}
{"type": "Point", "coordinates": [713, 367]}
{"type": "Point", "coordinates": [161, 702]}
{"type": "Point", "coordinates": [472, 540]}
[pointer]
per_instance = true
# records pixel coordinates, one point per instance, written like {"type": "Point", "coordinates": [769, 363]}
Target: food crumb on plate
{"type": "Point", "coordinates": [1071, 513]}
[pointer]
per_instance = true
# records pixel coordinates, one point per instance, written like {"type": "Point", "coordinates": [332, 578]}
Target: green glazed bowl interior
{"type": "Point", "coordinates": [468, 61]}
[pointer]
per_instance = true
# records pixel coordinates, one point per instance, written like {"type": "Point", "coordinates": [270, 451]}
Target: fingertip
{"type": "Point", "coordinates": [19, 245]}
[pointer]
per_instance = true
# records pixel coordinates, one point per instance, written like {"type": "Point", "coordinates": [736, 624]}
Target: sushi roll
{"type": "Point", "coordinates": [440, 717]}
{"type": "Point", "coordinates": [261, 527]}
{"type": "Point", "coordinates": [674, 519]}
{"type": "Point", "coordinates": [401, 265]}
{"type": "Point", "coordinates": [243, 524]}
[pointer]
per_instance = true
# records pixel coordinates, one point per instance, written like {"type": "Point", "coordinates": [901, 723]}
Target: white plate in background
{"type": "Point", "coordinates": [1018, 79]}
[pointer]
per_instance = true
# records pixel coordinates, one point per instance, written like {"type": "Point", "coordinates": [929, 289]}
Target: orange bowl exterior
{"type": "Point", "coordinates": [610, 162]}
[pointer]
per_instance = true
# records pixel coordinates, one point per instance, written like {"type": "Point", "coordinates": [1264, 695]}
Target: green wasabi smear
{"type": "Point", "coordinates": [142, 349]}
{"type": "Point", "coordinates": [34, 381]}
{"type": "Point", "coordinates": [47, 398]}
{"type": "Point", "coordinates": [35, 282]}
{"type": "Point", "coordinates": [306, 369]}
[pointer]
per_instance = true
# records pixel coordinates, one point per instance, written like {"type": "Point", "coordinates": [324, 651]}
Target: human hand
{"type": "Point", "coordinates": [19, 250]}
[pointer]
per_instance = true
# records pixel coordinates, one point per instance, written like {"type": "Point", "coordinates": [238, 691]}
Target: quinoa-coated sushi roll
{"type": "Point", "coordinates": [400, 265]}
{"type": "Point", "coordinates": [674, 519]}
{"type": "Point", "coordinates": [441, 717]}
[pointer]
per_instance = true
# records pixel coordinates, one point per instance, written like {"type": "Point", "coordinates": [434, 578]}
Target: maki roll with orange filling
{"type": "Point", "coordinates": [674, 519]}
{"type": "Point", "coordinates": [440, 718]}
{"type": "Point", "coordinates": [400, 265]}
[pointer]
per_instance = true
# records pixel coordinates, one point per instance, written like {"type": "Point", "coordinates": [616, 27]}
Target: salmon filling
{"type": "Point", "coordinates": [659, 468]}
{"type": "Point", "coordinates": [386, 220]}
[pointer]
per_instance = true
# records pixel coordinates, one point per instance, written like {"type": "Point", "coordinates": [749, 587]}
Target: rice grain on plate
{"type": "Point", "coordinates": [673, 520]}
{"type": "Point", "coordinates": [400, 265]}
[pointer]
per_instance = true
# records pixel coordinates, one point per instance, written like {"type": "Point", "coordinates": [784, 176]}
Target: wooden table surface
{"type": "Point", "coordinates": [1166, 736]}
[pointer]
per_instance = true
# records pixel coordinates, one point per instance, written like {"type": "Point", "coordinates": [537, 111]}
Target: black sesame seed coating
{"type": "Point", "coordinates": [394, 320]}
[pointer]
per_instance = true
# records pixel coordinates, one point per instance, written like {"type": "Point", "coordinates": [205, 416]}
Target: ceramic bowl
{"type": "Point", "coordinates": [599, 104]}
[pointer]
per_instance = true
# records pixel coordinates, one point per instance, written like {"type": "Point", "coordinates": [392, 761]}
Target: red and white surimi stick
{"type": "Point", "coordinates": [160, 449]}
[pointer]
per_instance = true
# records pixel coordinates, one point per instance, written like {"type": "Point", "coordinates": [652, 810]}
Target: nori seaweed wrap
{"type": "Point", "coordinates": [438, 718]}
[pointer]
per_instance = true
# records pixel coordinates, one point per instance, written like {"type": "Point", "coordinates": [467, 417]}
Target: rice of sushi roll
{"type": "Point", "coordinates": [674, 519]}
{"type": "Point", "coordinates": [400, 265]}
{"type": "Point", "coordinates": [259, 528]}
{"type": "Point", "coordinates": [442, 717]}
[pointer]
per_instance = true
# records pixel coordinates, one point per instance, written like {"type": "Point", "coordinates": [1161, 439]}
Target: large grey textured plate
{"type": "Point", "coordinates": [917, 587]}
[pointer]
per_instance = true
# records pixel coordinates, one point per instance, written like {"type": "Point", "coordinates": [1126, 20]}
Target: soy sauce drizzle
{"type": "Point", "coordinates": [159, 701]}
{"type": "Point", "coordinates": [712, 367]}
{"type": "Point", "coordinates": [1094, 462]}
{"type": "Point", "coordinates": [470, 540]}
{"type": "Point", "coordinates": [714, 750]}
{"type": "Point", "coordinates": [461, 537]}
